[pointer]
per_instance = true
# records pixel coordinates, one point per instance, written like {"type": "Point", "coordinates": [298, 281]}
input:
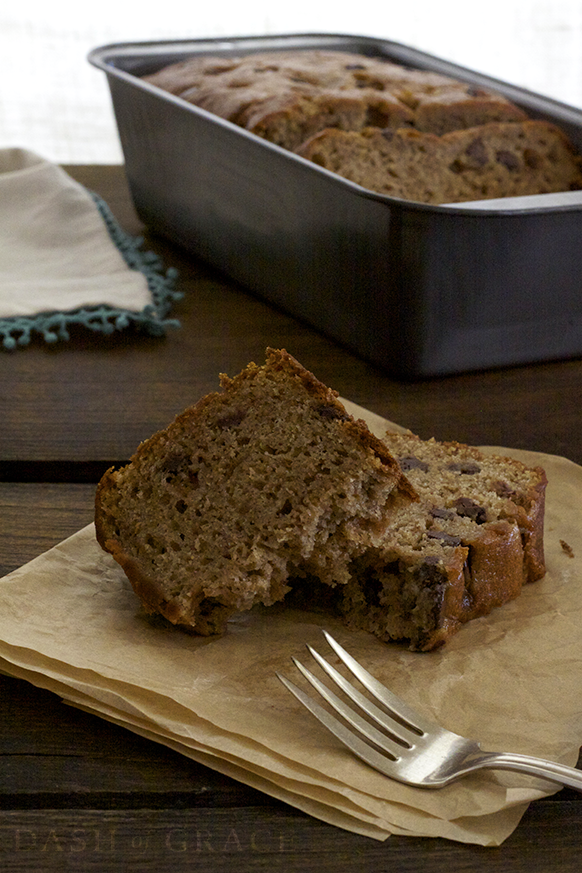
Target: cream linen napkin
{"type": "Point", "coordinates": [64, 259]}
{"type": "Point", "coordinates": [69, 622]}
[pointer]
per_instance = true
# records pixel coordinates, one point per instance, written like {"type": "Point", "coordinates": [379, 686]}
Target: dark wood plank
{"type": "Point", "coordinates": [79, 793]}
{"type": "Point", "coordinates": [35, 517]}
{"type": "Point", "coordinates": [92, 399]}
{"type": "Point", "coordinates": [249, 839]}
{"type": "Point", "coordinates": [73, 785]}
{"type": "Point", "coordinates": [59, 766]}
{"type": "Point", "coordinates": [55, 756]}
{"type": "Point", "coordinates": [95, 397]}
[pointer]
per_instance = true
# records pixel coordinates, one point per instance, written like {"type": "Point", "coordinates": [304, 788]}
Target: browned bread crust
{"type": "Point", "coordinates": [468, 546]}
{"type": "Point", "coordinates": [484, 162]}
{"type": "Point", "coordinates": [287, 96]}
{"type": "Point", "coordinates": [270, 486]}
{"type": "Point", "coordinates": [217, 511]}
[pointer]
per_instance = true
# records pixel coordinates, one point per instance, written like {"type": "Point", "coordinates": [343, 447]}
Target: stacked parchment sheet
{"type": "Point", "coordinates": [69, 622]}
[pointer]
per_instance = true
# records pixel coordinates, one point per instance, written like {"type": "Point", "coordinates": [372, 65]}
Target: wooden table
{"type": "Point", "coordinates": [77, 793]}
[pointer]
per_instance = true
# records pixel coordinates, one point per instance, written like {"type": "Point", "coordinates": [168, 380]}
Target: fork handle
{"type": "Point", "coordinates": [560, 773]}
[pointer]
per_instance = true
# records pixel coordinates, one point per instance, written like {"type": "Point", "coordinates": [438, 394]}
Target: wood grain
{"type": "Point", "coordinates": [33, 518]}
{"type": "Point", "coordinates": [94, 398]}
{"type": "Point", "coordinates": [251, 839]}
{"type": "Point", "coordinates": [75, 788]}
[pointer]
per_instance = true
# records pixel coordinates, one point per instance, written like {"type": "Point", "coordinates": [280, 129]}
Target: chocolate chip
{"type": "Point", "coordinates": [286, 508]}
{"type": "Point", "coordinates": [477, 152]}
{"type": "Point", "coordinates": [174, 464]}
{"type": "Point", "coordinates": [467, 508]}
{"type": "Point", "coordinates": [532, 159]}
{"type": "Point", "coordinates": [429, 572]}
{"type": "Point", "coordinates": [444, 538]}
{"type": "Point", "coordinates": [388, 134]}
{"type": "Point", "coordinates": [330, 412]}
{"type": "Point", "coordinates": [410, 462]}
{"type": "Point", "coordinates": [441, 512]}
{"type": "Point", "coordinates": [508, 159]}
{"type": "Point", "coordinates": [468, 600]}
{"type": "Point", "coordinates": [375, 117]}
{"type": "Point", "coordinates": [502, 489]}
{"type": "Point", "coordinates": [231, 418]}
{"type": "Point", "coordinates": [467, 467]}
{"type": "Point", "coordinates": [371, 589]}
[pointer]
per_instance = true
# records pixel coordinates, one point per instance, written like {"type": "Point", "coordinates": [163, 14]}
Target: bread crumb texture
{"type": "Point", "coordinates": [269, 490]}
{"type": "Point", "coordinates": [216, 512]}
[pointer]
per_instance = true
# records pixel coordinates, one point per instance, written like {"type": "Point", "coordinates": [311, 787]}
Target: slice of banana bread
{"type": "Point", "coordinates": [217, 511]}
{"type": "Point", "coordinates": [451, 106]}
{"type": "Point", "coordinates": [492, 160]}
{"type": "Point", "coordinates": [469, 545]}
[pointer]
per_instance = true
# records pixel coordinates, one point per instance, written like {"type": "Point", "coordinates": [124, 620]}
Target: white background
{"type": "Point", "coordinates": [53, 102]}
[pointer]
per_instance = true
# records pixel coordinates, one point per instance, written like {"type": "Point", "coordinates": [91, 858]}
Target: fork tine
{"type": "Point", "coordinates": [363, 727]}
{"type": "Point", "coordinates": [380, 716]}
{"type": "Point", "coordinates": [397, 707]}
{"type": "Point", "coordinates": [379, 761]}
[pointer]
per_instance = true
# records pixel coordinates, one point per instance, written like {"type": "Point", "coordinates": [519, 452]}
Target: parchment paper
{"type": "Point", "coordinates": [70, 622]}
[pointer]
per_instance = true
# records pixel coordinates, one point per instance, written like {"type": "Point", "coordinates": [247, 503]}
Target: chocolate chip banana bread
{"type": "Point", "coordinates": [270, 488]}
{"type": "Point", "coordinates": [408, 133]}
{"type": "Point", "coordinates": [217, 511]}
{"type": "Point", "coordinates": [492, 160]}
{"type": "Point", "coordinates": [470, 543]}
{"type": "Point", "coordinates": [287, 96]}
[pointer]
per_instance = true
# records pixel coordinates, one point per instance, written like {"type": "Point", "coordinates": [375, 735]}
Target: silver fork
{"type": "Point", "coordinates": [410, 748]}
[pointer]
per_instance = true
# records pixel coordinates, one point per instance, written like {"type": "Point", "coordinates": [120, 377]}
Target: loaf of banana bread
{"type": "Point", "coordinates": [287, 96]}
{"type": "Point", "coordinates": [497, 159]}
{"type": "Point", "coordinates": [408, 133]}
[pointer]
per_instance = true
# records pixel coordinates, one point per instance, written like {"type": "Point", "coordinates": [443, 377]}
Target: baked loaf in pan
{"type": "Point", "coordinates": [287, 96]}
{"type": "Point", "coordinates": [333, 108]}
{"type": "Point", "coordinates": [216, 512]}
{"type": "Point", "coordinates": [497, 159]}
{"type": "Point", "coordinates": [271, 490]}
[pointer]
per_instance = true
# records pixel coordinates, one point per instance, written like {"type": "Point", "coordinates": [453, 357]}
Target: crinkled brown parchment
{"type": "Point", "coordinates": [70, 622]}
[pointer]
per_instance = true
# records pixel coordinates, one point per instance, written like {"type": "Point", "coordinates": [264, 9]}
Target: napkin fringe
{"type": "Point", "coordinates": [53, 326]}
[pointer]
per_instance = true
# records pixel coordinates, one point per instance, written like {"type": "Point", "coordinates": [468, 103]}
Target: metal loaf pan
{"type": "Point", "coordinates": [419, 290]}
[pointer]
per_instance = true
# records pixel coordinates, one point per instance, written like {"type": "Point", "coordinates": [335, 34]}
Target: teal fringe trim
{"type": "Point", "coordinates": [53, 326]}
